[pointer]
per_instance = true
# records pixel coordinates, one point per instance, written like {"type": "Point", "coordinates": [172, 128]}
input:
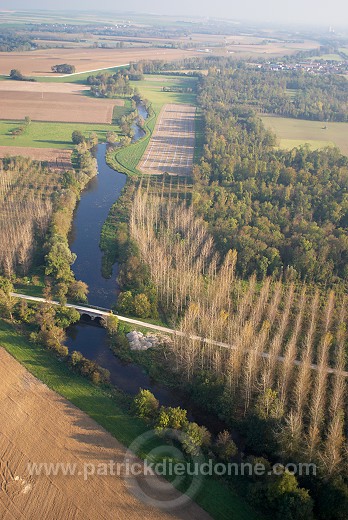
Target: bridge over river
{"type": "Point", "coordinates": [98, 312]}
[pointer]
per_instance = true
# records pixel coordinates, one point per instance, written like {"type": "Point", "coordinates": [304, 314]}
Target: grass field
{"type": "Point", "coordinates": [297, 132]}
{"type": "Point", "coordinates": [49, 135]}
{"type": "Point", "coordinates": [111, 412]}
{"type": "Point", "coordinates": [127, 159]}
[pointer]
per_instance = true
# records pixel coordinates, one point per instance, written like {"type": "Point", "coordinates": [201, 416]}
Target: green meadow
{"type": "Point", "coordinates": [317, 134]}
{"type": "Point", "coordinates": [49, 135]}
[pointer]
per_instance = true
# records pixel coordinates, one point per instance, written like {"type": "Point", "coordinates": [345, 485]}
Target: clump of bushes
{"type": "Point", "coordinates": [88, 368]}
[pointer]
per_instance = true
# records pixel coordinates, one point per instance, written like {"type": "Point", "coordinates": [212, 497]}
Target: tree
{"type": "Point", "coordinates": [53, 338]}
{"type": "Point", "coordinates": [59, 259]}
{"type": "Point", "coordinates": [16, 75]}
{"type": "Point", "coordinates": [93, 139]}
{"type": "Point", "coordinates": [64, 68]}
{"type": "Point", "coordinates": [195, 437]}
{"type": "Point", "coordinates": [172, 418]}
{"type": "Point", "coordinates": [78, 291]}
{"type": "Point", "coordinates": [77, 137]}
{"type": "Point", "coordinates": [288, 500]}
{"type": "Point", "coordinates": [225, 446]}
{"type": "Point", "coordinates": [66, 316]}
{"type": "Point", "coordinates": [125, 302]}
{"type": "Point", "coordinates": [111, 137]}
{"type": "Point", "coordinates": [145, 404]}
{"type": "Point", "coordinates": [142, 306]}
{"type": "Point", "coordinates": [7, 302]}
{"type": "Point", "coordinates": [111, 324]}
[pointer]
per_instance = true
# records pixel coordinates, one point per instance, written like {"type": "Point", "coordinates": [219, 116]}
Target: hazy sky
{"type": "Point", "coordinates": [327, 12]}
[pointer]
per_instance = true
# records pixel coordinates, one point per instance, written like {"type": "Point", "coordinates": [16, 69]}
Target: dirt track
{"type": "Point", "coordinates": [57, 159]}
{"type": "Point", "coordinates": [38, 425]}
{"type": "Point", "coordinates": [171, 146]}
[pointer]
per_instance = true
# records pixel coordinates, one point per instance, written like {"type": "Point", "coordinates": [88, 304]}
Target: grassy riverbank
{"type": "Point", "coordinates": [111, 410]}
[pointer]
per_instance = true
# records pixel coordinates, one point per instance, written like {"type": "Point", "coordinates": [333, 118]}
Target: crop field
{"type": "Point", "coordinates": [63, 434]}
{"type": "Point", "coordinates": [39, 62]}
{"type": "Point", "coordinates": [54, 106]}
{"type": "Point", "coordinates": [171, 147]}
{"type": "Point", "coordinates": [296, 132]}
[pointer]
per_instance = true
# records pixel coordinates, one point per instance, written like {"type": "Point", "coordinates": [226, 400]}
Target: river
{"type": "Point", "coordinates": [92, 340]}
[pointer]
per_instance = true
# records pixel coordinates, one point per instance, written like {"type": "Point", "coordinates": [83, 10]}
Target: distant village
{"type": "Point", "coordinates": [312, 66]}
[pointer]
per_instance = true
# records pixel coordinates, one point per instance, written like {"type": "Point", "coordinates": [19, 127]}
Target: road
{"type": "Point", "coordinates": [101, 313]}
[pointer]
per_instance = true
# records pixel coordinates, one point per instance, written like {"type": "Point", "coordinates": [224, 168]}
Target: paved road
{"type": "Point", "coordinates": [98, 312]}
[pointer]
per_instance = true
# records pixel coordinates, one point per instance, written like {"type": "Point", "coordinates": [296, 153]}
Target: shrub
{"type": "Point", "coordinates": [145, 404]}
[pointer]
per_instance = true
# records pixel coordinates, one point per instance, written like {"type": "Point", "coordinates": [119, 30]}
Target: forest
{"type": "Point", "coordinates": [273, 357]}
{"type": "Point", "coordinates": [276, 208]}
{"type": "Point", "coordinates": [287, 93]}
{"type": "Point", "coordinates": [10, 42]}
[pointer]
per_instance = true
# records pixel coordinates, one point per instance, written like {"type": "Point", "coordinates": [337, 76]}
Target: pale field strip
{"type": "Point", "coordinates": [38, 425]}
{"type": "Point", "coordinates": [56, 159]}
{"type": "Point", "coordinates": [171, 147]}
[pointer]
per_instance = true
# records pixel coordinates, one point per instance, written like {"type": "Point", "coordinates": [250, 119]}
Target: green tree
{"type": "Point", "coordinates": [66, 316]}
{"type": "Point", "coordinates": [288, 500]}
{"type": "Point", "coordinates": [142, 306]}
{"type": "Point", "coordinates": [174, 418]}
{"type": "Point", "coordinates": [77, 137]}
{"type": "Point", "coordinates": [145, 404]}
{"type": "Point", "coordinates": [7, 302]}
{"type": "Point", "coordinates": [125, 303]}
{"type": "Point", "coordinates": [195, 437]}
{"type": "Point", "coordinates": [111, 137]}
{"type": "Point", "coordinates": [59, 259]}
{"type": "Point", "coordinates": [111, 324]}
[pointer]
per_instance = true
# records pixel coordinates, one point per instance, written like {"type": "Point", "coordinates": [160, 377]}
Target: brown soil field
{"type": "Point", "coordinates": [39, 63]}
{"type": "Point", "coordinates": [27, 86]}
{"type": "Point", "coordinates": [60, 107]}
{"type": "Point", "coordinates": [57, 159]}
{"type": "Point", "coordinates": [38, 425]}
{"type": "Point", "coordinates": [171, 146]}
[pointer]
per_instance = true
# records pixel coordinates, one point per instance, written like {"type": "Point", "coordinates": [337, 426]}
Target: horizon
{"type": "Point", "coordinates": [305, 13]}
